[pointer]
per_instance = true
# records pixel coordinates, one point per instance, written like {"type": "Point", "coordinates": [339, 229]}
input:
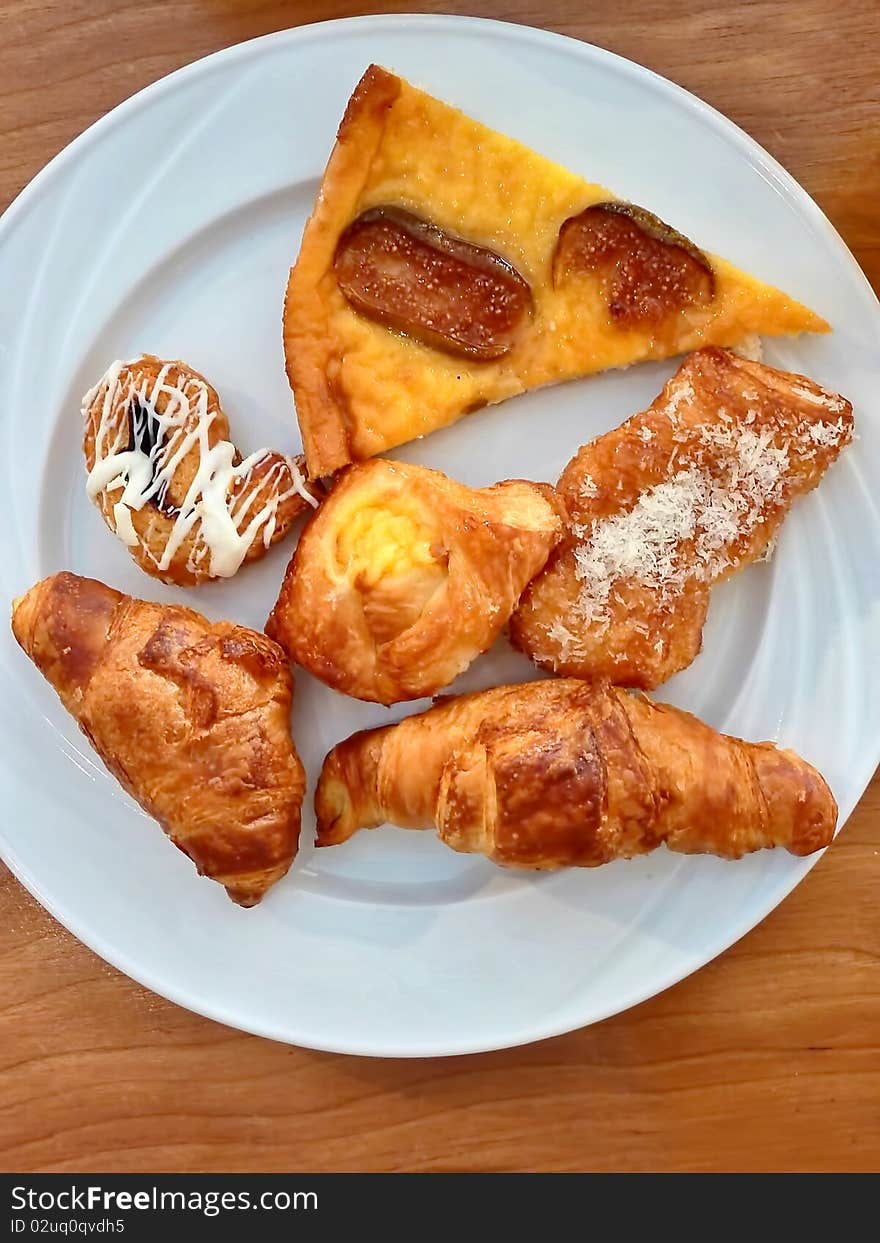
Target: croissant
{"type": "Point", "coordinates": [169, 482]}
{"type": "Point", "coordinates": [403, 577]}
{"type": "Point", "coordinates": [572, 774]}
{"type": "Point", "coordinates": [671, 502]}
{"type": "Point", "coordinates": [191, 718]}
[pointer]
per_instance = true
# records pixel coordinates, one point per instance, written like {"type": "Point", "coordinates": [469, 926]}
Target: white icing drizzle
{"type": "Point", "coordinates": [124, 525]}
{"type": "Point", "coordinates": [224, 527]}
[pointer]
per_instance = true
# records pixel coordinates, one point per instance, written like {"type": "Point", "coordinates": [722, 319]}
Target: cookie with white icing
{"type": "Point", "coordinates": [170, 482]}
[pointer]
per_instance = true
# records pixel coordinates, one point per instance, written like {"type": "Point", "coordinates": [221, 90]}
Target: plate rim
{"type": "Point", "coordinates": [707, 115]}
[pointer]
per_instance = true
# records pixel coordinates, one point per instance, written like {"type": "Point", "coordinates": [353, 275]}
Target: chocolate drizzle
{"type": "Point", "coordinates": [146, 435]}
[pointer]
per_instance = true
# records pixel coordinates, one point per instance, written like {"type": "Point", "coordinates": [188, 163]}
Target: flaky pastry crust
{"type": "Point", "coordinates": [565, 773]}
{"type": "Point", "coordinates": [193, 720]}
{"type": "Point", "coordinates": [404, 576]}
{"type": "Point", "coordinates": [677, 498]}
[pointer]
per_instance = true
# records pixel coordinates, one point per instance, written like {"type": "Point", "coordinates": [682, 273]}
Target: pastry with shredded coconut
{"type": "Point", "coordinates": [172, 485]}
{"type": "Point", "coordinates": [677, 498]}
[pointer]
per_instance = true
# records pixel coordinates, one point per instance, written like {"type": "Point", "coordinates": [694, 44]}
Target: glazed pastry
{"type": "Point", "coordinates": [404, 576]}
{"type": "Point", "coordinates": [170, 483]}
{"type": "Point", "coordinates": [192, 719]}
{"type": "Point", "coordinates": [572, 774]}
{"type": "Point", "coordinates": [674, 500]}
{"type": "Point", "coordinates": [446, 267]}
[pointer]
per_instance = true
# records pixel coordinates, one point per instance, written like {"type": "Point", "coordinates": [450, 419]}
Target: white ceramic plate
{"type": "Point", "coordinates": [169, 227]}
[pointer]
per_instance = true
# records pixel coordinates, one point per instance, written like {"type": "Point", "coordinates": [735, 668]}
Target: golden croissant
{"type": "Point", "coordinates": [572, 774]}
{"type": "Point", "coordinates": [404, 576]}
{"type": "Point", "coordinates": [170, 483]}
{"type": "Point", "coordinates": [193, 719]}
{"type": "Point", "coordinates": [677, 498]}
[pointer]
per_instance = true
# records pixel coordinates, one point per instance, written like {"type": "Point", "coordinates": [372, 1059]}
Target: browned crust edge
{"type": "Point", "coordinates": [309, 353]}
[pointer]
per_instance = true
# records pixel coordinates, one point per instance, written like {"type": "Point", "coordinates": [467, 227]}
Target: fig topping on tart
{"type": "Point", "coordinates": [413, 276]}
{"type": "Point", "coordinates": [648, 269]}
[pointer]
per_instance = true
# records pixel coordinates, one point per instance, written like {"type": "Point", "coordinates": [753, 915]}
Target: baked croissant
{"type": "Point", "coordinates": [403, 577]}
{"type": "Point", "coordinates": [170, 483]}
{"type": "Point", "coordinates": [191, 718]}
{"type": "Point", "coordinates": [671, 502]}
{"type": "Point", "coordinates": [572, 774]}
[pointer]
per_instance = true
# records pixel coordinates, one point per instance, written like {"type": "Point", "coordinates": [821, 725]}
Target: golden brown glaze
{"type": "Point", "coordinates": [313, 363]}
{"type": "Point", "coordinates": [677, 498]}
{"type": "Point", "coordinates": [193, 720]}
{"type": "Point", "coordinates": [404, 576]}
{"type": "Point", "coordinates": [425, 289]}
{"type": "Point", "coordinates": [572, 774]}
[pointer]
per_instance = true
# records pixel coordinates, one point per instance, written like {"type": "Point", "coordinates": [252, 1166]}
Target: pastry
{"type": "Point", "coordinates": [193, 720]}
{"type": "Point", "coordinates": [404, 576]}
{"type": "Point", "coordinates": [572, 774]}
{"type": "Point", "coordinates": [170, 483]}
{"type": "Point", "coordinates": [447, 266]}
{"type": "Point", "coordinates": [675, 499]}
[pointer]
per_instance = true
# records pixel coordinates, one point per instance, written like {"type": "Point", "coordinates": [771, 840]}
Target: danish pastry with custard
{"type": "Point", "coordinates": [404, 576]}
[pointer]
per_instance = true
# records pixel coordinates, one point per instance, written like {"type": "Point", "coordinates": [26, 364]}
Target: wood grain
{"type": "Point", "coordinates": [767, 1059]}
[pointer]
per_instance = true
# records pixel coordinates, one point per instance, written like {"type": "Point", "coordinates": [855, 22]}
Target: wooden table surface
{"type": "Point", "coordinates": [767, 1059]}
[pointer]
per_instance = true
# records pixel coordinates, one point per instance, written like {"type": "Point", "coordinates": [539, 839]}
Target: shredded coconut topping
{"type": "Point", "coordinates": [704, 512]}
{"type": "Point", "coordinates": [829, 434]}
{"type": "Point", "coordinates": [570, 647]}
{"type": "Point", "coordinates": [830, 401]}
{"type": "Point", "coordinates": [681, 395]}
{"type": "Point", "coordinates": [726, 484]}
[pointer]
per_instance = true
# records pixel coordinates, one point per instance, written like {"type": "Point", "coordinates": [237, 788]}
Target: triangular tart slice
{"type": "Point", "coordinates": [446, 267]}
